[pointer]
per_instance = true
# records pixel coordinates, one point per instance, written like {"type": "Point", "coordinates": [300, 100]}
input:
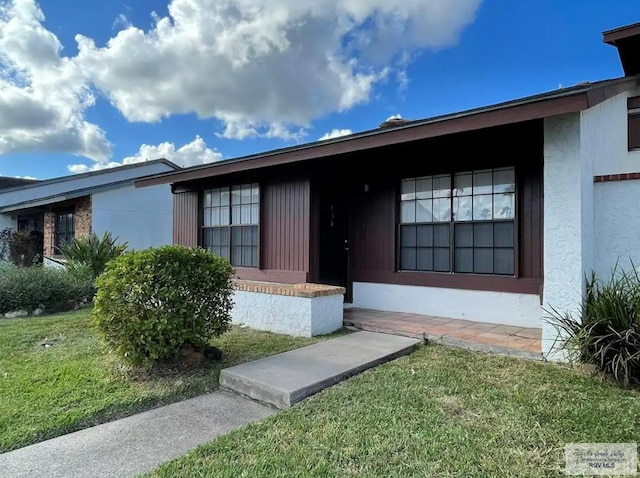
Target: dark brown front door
{"type": "Point", "coordinates": [335, 248]}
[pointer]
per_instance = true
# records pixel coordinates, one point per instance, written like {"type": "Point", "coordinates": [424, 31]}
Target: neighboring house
{"type": "Point", "coordinates": [493, 214]}
{"type": "Point", "coordinates": [9, 182]}
{"type": "Point", "coordinates": [72, 206]}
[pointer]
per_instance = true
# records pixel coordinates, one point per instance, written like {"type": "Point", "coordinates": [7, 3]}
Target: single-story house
{"type": "Point", "coordinates": [7, 182]}
{"type": "Point", "coordinates": [495, 214]}
{"type": "Point", "coordinates": [72, 206]}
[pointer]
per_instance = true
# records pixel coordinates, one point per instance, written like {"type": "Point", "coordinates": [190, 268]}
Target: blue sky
{"type": "Point", "coordinates": [183, 101]}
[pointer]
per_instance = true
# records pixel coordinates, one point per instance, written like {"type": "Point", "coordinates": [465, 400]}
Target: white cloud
{"type": "Point", "coordinates": [261, 67]}
{"type": "Point", "coordinates": [254, 64]}
{"type": "Point", "coordinates": [191, 154]}
{"type": "Point", "coordinates": [121, 21]}
{"type": "Point", "coordinates": [335, 133]}
{"type": "Point", "coordinates": [43, 96]}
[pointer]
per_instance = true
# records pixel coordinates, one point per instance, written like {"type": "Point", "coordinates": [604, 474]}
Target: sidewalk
{"type": "Point", "coordinates": [136, 444]}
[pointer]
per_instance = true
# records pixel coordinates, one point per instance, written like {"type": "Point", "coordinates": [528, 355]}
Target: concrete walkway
{"type": "Point", "coordinates": [134, 445]}
{"type": "Point", "coordinates": [284, 379]}
{"type": "Point", "coordinates": [137, 444]}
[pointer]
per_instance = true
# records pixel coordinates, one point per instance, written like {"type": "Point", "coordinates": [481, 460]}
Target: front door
{"type": "Point", "coordinates": [334, 241]}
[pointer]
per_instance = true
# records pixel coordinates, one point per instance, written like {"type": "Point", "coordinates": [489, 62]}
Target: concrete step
{"type": "Point", "coordinates": [284, 379]}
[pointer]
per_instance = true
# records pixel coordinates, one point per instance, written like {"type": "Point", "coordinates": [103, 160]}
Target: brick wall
{"type": "Point", "coordinates": [49, 226]}
{"type": "Point", "coordinates": [82, 221]}
{"type": "Point", "coordinates": [83, 217]}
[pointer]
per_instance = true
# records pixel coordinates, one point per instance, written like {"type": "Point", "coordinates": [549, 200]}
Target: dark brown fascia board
{"type": "Point", "coordinates": [610, 37]}
{"type": "Point", "coordinates": [603, 93]}
{"type": "Point", "coordinates": [437, 128]}
{"type": "Point", "coordinates": [541, 106]}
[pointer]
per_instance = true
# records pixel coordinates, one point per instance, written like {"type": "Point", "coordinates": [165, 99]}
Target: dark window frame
{"type": "Point", "coordinates": [499, 269]}
{"type": "Point", "coordinates": [232, 229]}
{"type": "Point", "coordinates": [66, 217]}
{"type": "Point", "coordinates": [633, 123]}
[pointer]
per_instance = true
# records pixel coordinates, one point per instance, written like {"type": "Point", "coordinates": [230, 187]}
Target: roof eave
{"type": "Point", "coordinates": [610, 37]}
{"type": "Point", "coordinates": [378, 138]}
{"type": "Point", "coordinates": [64, 196]}
{"type": "Point", "coordinates": [73, 177]}
{"type": "Point", "coordinates": [577, 99]}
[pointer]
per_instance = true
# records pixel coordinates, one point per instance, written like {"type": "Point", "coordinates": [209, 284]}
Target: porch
{"type": "Point", "coordinates": [509, 340]}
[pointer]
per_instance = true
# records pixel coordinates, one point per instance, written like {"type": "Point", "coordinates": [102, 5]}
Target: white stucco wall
{"type": "Point", "coordinates": [618, 226]}
{"type": "Point", "coordinates": [494, 307]}
{"type": "Point", "coordinates": [568, 220]}
{"type": "Point", "coordinates": [616, 222]}
{"type": "Point", "coordinates": [297, 316]}
{"type": "Point", "coordinates": [143, 217]}
{"type": "Point", "coordinates": [604, 135]}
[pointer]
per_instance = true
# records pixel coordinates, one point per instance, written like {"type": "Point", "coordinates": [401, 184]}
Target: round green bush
{"type": "Point", "coordinates": [149, 303]}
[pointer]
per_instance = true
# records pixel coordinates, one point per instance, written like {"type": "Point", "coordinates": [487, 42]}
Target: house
{"type": "Point", "coordinates": [495, 214]}
{"type": "Point", "coordinates": [63, 208]}
{"type": "Point", "coordinates": [7, 182]}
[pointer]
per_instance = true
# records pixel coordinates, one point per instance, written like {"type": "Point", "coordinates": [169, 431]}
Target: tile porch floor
{"type": "Point", "coordinates": [500, 339]}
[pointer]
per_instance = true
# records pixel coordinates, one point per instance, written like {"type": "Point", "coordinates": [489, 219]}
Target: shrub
{"type": "Point", "coordinates": [30, 288]}
{"type": "Point", "coordinates": [607, 333]}
{"type": "Point", "coordinates": [150, 303]}
{"type": "Point", "coordinates": [25, 249]}
{"type": "Point", "coordinates": [92, 252]}
{"type": "Point", "coordinates": [5, 235]}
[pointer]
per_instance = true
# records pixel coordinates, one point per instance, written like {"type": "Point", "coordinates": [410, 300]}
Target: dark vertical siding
{"type": "Point", "coordinates": [374, 229]}
{"type": "Point", "coordinates": [314, 234]}
{"type": "Point", "coordinates": [186, 218]}
{"type": "Point", "coordinates": [285, 225]}
{"type": "Point", "coordinates": [374, 223]}
{"type": "Point", "coordinates": [374, 226]}
{"type": "Point", "coordinates": [530, 205]}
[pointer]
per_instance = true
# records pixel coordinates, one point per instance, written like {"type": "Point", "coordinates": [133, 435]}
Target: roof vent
{"type": "Point", "coordinates": [627, 41]}
{"type": "Point", "coordinates": [395, 120]}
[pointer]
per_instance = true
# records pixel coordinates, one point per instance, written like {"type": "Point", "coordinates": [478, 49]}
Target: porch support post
{"type": "Point", "coordinates": [568, 223]}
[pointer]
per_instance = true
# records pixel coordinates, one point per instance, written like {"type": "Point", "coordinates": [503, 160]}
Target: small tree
{"type": "Point", "coordinates": [25, 249]}
{"type": "Point", "coordinates": [150, 303]}
{"type": "Point", "coordinates": [92, 252]}
{"type": "Point", "coordinates": [5, 235]}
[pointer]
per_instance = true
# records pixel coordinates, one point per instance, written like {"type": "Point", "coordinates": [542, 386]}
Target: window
{"type": "Point", "coordinates": [633, 107]}
{"type": "Point", "coordinates": [230, 223]}
{"type": "Point", "coordinates": [64, 228]}
{"type": "Point", "coordinates": [459, 223]}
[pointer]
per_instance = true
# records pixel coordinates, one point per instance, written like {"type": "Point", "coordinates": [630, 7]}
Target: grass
{"type": "Point", "coordinates": [75, 383]}
{"type": "Point", "coordinates": [439, 412]}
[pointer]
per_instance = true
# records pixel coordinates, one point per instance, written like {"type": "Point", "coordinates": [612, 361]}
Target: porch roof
{"type": "Point", "coordinates": [565, 100]}
{"type": "Point", "coordinates": [40, 193]}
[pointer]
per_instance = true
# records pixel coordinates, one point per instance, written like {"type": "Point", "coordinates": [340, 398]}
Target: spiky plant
{"type": "Point", "coordinates": [92, 252]}
{"type": "Point", "coordinates": [607, 333]}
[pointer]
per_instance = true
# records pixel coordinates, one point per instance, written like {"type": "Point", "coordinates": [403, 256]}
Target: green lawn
{"type": "Point", "coordinates": [45, 392]}
{"type": "Point", "coordinates": [439, 412]}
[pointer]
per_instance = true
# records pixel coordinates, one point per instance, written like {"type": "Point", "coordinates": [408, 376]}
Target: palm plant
{"type": "Point", "coordinates": [607, 333]}
{"type": "Point", "coordinates": [92, 252]}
